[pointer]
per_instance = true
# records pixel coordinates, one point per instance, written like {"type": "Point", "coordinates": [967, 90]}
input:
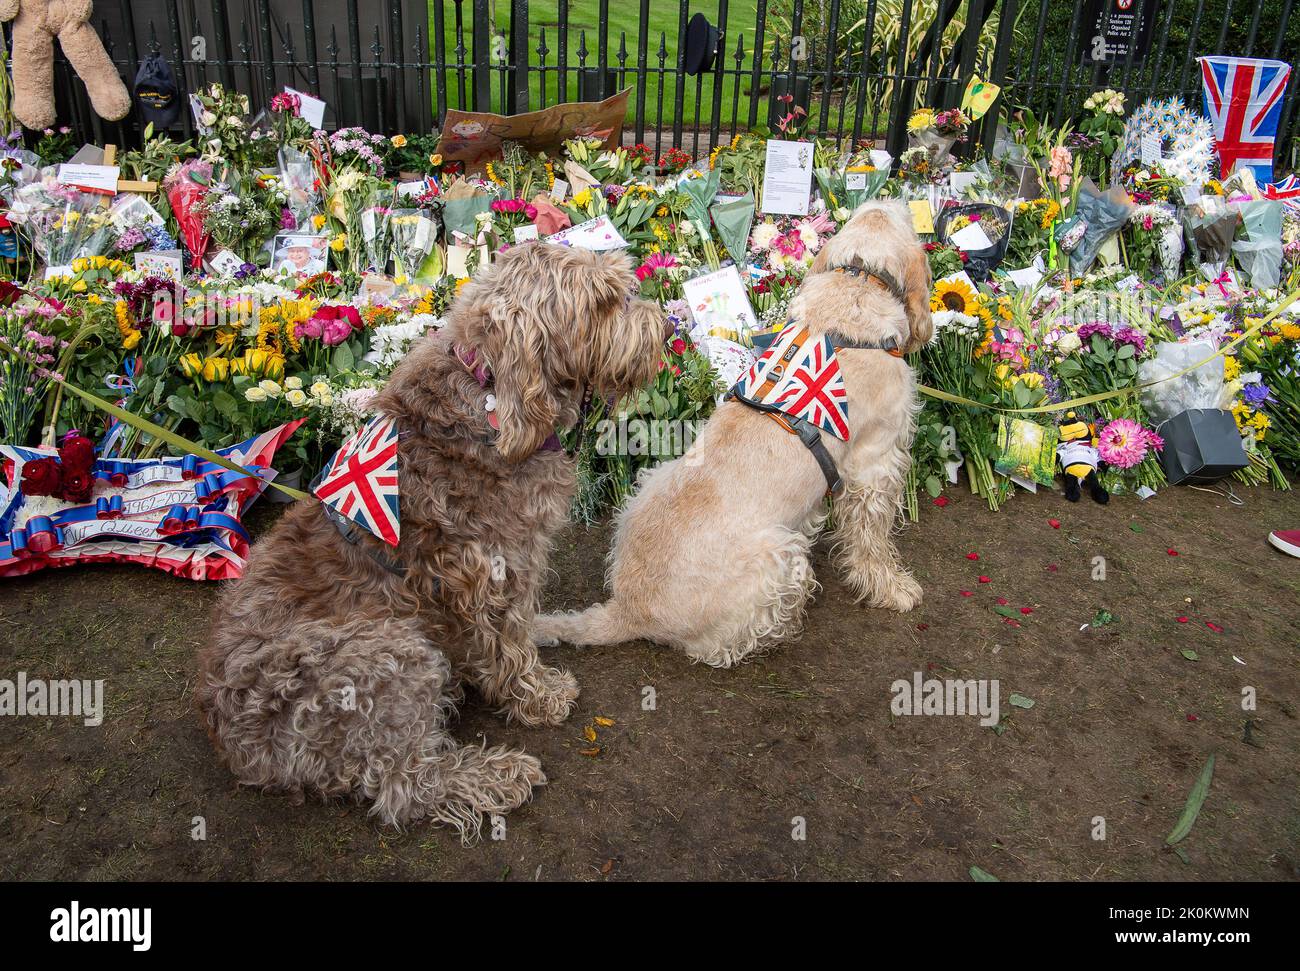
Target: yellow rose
{"type": "Point", "coordinates": [275, 366]}
{"type": "Point", "coordinates": [79, 286]}
{"type": "Point", "coordinates": [399, 141]}
{"type": "Point", "coordinates": [191, 365]}
{"type": "Point", "coordinates": [435, 159]}
{"type": "Point", "coordinates": [216, 369]}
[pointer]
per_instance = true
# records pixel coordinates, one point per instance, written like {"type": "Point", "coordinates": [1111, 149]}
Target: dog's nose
{"type": "Point", "coordinates": [668, 329]}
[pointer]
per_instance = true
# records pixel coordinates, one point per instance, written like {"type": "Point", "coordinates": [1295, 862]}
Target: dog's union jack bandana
{"type": "Point", "coordinates": [800, 376]}
{"type": "Point", "coordinates": [361, 480]}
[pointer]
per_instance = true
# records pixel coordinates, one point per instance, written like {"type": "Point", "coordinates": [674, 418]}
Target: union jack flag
{"type": "Point", "coordinates": [361, 481]}
{"type": "Point", "coordinates": [1287, 191]}
{"type": "Point", "coordinates": [1243, 97]}
{"type": "Point", "coordinates": [805, 381]}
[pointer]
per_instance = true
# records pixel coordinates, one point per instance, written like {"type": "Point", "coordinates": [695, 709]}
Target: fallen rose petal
{"type": "Point", "coordinates": [1003, 601]}
{"type": "Point", "coordinates": [922, 626]}
{"type": "Point", "coordinates": [984, 579]}
{"type": "Point", "coordinates": [967, 593]}
{"type": "Point", "coordinates": [972, 556]}
{"type": "Point", "coordinates": [1026, 610]}
{"type": "Point", "coordinates": [1052, 568]}
{"type": "Point", "coordinates": [1182, 620]}
{"type": "Point", "coordinates": [1013, 623]}
{"type": "Point", "coordinates": [941, 501]}
{"type": "Point", "coordinates": [1192, 718]}
{"type": "Point", "coordinates": [1214, 627]}
{"type": "Point", "coordinates": [1172, 552]}
{"type": "Point", "coordinates": [1054, 523]}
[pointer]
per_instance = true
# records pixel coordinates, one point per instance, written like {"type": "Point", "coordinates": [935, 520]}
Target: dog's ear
{"type": "Point", "coordinates": [516, 345]}
{"type": "Point", "coordinates": [917, 282]}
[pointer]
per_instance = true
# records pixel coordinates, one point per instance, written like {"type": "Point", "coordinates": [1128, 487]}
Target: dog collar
{"type": "Point", "coordinates": [878, 273]}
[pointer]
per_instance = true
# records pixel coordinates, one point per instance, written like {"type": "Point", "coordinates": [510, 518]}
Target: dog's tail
{"type": "Point", "coordinates": [605, 623]}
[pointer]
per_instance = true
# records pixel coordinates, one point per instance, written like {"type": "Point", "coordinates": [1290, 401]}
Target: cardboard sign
{"type": "Point", "coordinates": [475, 137]}
{"type": "Point", "coordinates": [787, 177]}
{"type": "Point", "coordinates": [90, 178]}
{"type": "Point", "coordinates": [311, 110]}
{"type": "Point", "coordinates": [165, 264]}
{"type": "Point", "coordinates": [226, 263]}
{"type": "Point", "coordinates": [720, 304]}
{"type": "Point", "coordinates": [922, 217]}
{"type": "Point", "coordinates": [524, 233]}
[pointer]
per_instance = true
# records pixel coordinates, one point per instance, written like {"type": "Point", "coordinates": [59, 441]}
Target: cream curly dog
{"type": "Point", "coordinates": [711, 554]}
{"type": "Point", "coordinates": [334, 668]}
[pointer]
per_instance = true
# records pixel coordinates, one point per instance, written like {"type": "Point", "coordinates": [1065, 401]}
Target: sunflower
{"type": "Point", "coordinates": [953, 295]}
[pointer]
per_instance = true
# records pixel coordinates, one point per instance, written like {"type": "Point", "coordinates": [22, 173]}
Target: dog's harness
{"type": "Point", "coordinates": [808, 433]}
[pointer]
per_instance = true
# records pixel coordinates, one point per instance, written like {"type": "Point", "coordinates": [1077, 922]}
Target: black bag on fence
{"type": "Point", "coordinates": [1201, 445]}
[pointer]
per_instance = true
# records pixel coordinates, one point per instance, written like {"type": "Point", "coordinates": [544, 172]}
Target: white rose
{"type": "Point", "coordinates": [325, 400]}
{"type": "Point", "coordinates": [270, 388]}
{"type": "Point", "coordinates": [208, 119]}
{"type": "Point", "coordinates": [293, 384]}
{"type": "Point", "coordinates": [1068, 343]}
{"type": "Point", "coordinates": [320, 389]}
{"type": "Point", "coordinates": [255, 394]}
{"type": "Point", "coordinates": [297, 397]}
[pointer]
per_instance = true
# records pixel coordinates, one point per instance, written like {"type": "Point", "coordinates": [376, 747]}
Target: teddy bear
{"type": "Point", "coordinates": [36, 24]}
{"type": "Point", "coordinates": [1079, 459]}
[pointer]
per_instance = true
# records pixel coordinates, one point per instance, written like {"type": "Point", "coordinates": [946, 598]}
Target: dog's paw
{"type": "Point", "coordinates": [551, 701]}
{"type": "Point", "coordinates": [902, 594]}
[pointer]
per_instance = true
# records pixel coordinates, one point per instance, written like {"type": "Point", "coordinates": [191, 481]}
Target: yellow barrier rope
{"type": "Point", "coordinates": [1120, 392]}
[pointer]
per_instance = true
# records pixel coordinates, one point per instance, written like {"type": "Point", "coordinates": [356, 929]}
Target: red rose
{"type": "Point", "coordinates": [679, 346]}
{"type": "Point", "coordinates": [77, 455]}
{"type": "Point", "coordinates": [41, 477]}
{"type": "Point", "coordinates": [327, 312]}
{"type": "Point", "coordinates": [179, 329]}
{"type": "Point", "coordinates": [9, 293]}
{"type": "Point", "coordinates": [77, 486]}
{"type": "Point", "coordinates": [351, 315]}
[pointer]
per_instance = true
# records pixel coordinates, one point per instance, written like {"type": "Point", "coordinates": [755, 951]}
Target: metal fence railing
{"type": "Point", "coordinates": [858, 67]}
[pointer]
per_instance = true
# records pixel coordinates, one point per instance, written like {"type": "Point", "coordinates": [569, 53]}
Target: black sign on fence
{"type": "Point", "coordinates": [1113, 28]}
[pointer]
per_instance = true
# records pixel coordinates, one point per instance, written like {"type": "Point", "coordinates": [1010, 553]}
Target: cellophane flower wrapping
{"type": "Point", "coordinates": [1200, 388]}
{"type": "Point", "coordinates": [186, 187]}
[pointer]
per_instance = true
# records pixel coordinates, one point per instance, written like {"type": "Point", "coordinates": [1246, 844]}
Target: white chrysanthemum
{"type": "Point", "coordinates": [763, 235]}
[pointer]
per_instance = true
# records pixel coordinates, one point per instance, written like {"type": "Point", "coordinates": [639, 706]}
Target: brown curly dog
{"type": "Point", "coordinates": [332, 672]}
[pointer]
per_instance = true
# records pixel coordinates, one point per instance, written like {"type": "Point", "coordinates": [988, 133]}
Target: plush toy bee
{"type": "Point", "coordinates": [1079, 459]}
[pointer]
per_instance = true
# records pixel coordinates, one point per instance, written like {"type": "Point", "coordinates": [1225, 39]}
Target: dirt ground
{"type": "Point", "coordinates": [709, 783]}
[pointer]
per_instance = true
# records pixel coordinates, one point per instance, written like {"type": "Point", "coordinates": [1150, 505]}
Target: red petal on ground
{"type": "Point", "coordinates": [1214, 627]}
{"type": "Point", "coordinates": [967, 593]}
{"type": "Point", "coordinates": [1026, 610]}
{"type": "Point", "coordinates": [1192, 718]}
{"type": "Point", "coordinates": [1172, 552]}
{"type": "Point", "coordinates": [922, 626]}
{"type": "Point", "coordinates": [1054, 523]}
{"type": "Point", "coordinates": [1003, 601]}
{"type": "Point", "coordinates": [984, 579]}
{"type": "Point", "coordinates": [1052, 568]}
{"type": "Point", "coordinates": [972, 556]}
{"type": "Point", "coordinates": [941, 501]}
{"type": "Point", "coordinates": [1013, 623]}
{"type": "Point", "coordinates": [1182, 620]}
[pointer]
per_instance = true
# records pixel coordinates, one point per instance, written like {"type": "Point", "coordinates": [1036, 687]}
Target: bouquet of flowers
{"type": "Point", "coordinates": [61, 221]}
{"type": "Point", "coordinates": [224, 132]}
{"type": "Point", "coordinates": [993, 221]}
{"type": "Point", "coordinates": [414, 236]}
{"type": "Point", "coordinates": [28, 357]}
{"type": "Point", "coordinates": [374, 220]}
{"type": "Point", "coordinates": [243, 216]}
{"type": "Point", "coordinates": [937, 131]}
{"type": "Point", "coordinates": [186, 185]}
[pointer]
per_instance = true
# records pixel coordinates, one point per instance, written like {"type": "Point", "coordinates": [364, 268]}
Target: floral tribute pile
{"type": "Point", "coordinates": [279, 274]}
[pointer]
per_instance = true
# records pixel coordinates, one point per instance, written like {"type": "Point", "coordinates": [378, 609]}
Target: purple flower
{"type": "Point", "coordinates": [1096, 327]}
{"type": "Point", "coordinates": [1255, 394]}
{"type": "Point", "coordinates": [1127, 335]}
